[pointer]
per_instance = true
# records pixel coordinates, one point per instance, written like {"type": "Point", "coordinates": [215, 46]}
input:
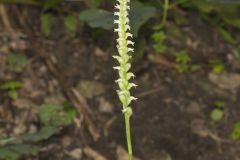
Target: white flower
{"type": "Point", "coordinates": [123, 43]}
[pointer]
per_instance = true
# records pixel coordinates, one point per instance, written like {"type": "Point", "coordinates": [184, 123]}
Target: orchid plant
{"type": "Point", "coordinates": [124, 47]}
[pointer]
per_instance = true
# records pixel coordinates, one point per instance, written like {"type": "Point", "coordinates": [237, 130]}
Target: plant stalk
{"type": "Point", "coordinates": [128, 135]}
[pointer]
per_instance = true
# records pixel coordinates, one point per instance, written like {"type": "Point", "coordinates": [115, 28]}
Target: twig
{"type": "Point", "coordinates": [149, 92]}
{"type": "Point", "coordinates": [5, 19]}
{"type": "Point", "coordinates": [93, 154]}
{"type": "Point", "coordinates": [161, 60]}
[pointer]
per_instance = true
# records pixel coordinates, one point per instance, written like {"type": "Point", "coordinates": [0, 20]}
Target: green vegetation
{"type": "Point", "coordinates": [15, 62]}
{"type": "Point", "coordinates": [217, 66]}
{"type": "Point", "coordinates": [12, 88]}
{"type": "Point", "coordinates": [162, 27]}
{"type": "Point", "coordinates": [52, 118]}
{"type": "Point", "coordinates": [218, 112]}
{"type": "Point", "coordinates": [184, 62]}
{"type": "Point", "coordinates": [236, 132]}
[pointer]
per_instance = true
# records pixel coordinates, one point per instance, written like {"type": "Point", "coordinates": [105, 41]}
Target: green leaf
{"type": "Point", "coordinates": [159, 38]}
{"type": "Point", "coordinates": [19, 1]}
{"type": "Point", "coordinates": [97, 18]}
{"type": "Point", "coordinates": [220, 104]}
{"type": "Point", "coordinates": [55, 115]}
{"type": "Point", "coordinates": [217, 66]}
{"type": "Point", "coordinates": [46, 23]}
{"type": "Point", "coordinates": [140, 48]}
{"type": "Point", "coordinates": [14, 152]}
{"type": "Point", "coordinates": [15, 62]}
{"type": "Point", "coordinates": [51, 3]}
{"type": "Point", "coordinates": [70, 24]}
{"type": "Point", "coordinates": [236, 132]}
{"type": "Point", "coordinates": [217, 115]}
{"type": "Point", "coordinates": [182, 57]}
{"type": "Point", "coordinates": [13, 94]}
{"type": "Point", "coordinates": [139, 14]}
{"type": "Point", "coordinates": [6, 154]}
{"type": "Point", "coordinates": [43, 134]}
{"type": "Point", "coordinates": [95, 3]}
{"type": "Point", "coordinates": [195, 67]}
{"type": "Point", "coordinates": [226, 35]}
{"type": "Point", "coordinates": [11, 85]}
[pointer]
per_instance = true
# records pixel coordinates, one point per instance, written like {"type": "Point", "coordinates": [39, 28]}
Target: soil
{"type": "Point", "coordinates": [171, 116]}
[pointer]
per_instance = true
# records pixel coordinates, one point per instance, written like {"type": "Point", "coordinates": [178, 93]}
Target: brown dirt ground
{"type": "Point", "coordinates": [171, 116]}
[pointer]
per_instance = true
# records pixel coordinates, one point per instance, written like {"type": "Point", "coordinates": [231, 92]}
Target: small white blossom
{"type": "Point", "coordinates": [123, 43]}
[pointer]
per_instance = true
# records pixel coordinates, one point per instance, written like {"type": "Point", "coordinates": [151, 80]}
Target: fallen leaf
{"type": "Point", "coordinates": [198, 127]}
{"type": "Point", "coordinates": [122, 154]}
{"type": "Point", "coordinates": [93, 154]}
{"type": "Point", "coordinates": [75, 153]}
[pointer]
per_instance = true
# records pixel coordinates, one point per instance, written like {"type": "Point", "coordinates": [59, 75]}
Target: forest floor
{"type": "Point", "coordinates": [171, 119]}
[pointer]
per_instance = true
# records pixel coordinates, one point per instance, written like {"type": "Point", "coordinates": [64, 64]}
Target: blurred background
{"type": "Point", "coordinates": [58, 96]}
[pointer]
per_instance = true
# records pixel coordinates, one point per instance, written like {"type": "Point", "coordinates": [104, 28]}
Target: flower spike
{"type": "Point", "coordinates": [123, 46]}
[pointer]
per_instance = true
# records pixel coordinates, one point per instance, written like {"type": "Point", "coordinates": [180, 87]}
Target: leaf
{"type": "Point", "coordinates": [217, 66]}
{"type": "Point", "coordinates": [203, 5]}
{"type": "Point", "coordinates": [7, 154]}
{"type": "Point", "coordinates": [236, 132]}
{"type": "Point", "coordinates": [51, 3]}
{"type": "Point", "coordinates": [217, 115]}
{"type": "Point", "coordinates": [140, 48]}
{"type": "Point", "coordinates": [46, 23]}
{"type": "Point", "coordinates": [19, 1]}
{"type": "Point", "coordinates": [70, 24]}
{"type": "Point", "coordinates": [55, 115]}
{"type": "Point", "coordinates": [97, 18]}
{"type": "Point", "coordinates": [14, 152]}
{"type": "Point", "coordinates": [95, 3]}
{"type": "Point", "coordinates": [226, 35]}
{"type": "Point", "coordinates": [11, 85]}
{"type": "Point", "coordinates": [16, 61]}
{"type": "Point", "coordinates": [139, 14]}
{"type": "Point", "coordinates": [43, 134]}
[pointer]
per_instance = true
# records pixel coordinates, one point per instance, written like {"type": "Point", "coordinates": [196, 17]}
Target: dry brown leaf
{"type": "Point", "coordinates": [75, 153]}
{"type": "Point", "coordinates": [91, 153]}
{"type": "Point", "coordinates": [122, 154]}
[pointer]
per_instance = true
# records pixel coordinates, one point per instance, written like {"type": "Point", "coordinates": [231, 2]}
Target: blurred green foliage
{"type": "Point", "coordinates": [236, 132]}
{"type": "Point", "coordinates": [12, 88]}
{"type": "Point", "coordinates": [52, 118]}
{"type": "Point", "coordinates": [15, 151]}
{"type": "Point", "coordinates": [218, 112]}
{"type": "Point", "coordinates": [217, 66]}
{"type": "Point", "coordinates": [15, 62]}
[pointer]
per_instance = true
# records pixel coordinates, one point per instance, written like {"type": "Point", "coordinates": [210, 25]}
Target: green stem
{"type": "Point", "coordinates": [165, 14]}
{"type": "Point", "coordinates": [128, 135]}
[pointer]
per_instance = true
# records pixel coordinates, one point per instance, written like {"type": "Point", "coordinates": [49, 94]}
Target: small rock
{"type": "Point", "coordinates": [198, 127]}
{"type": "Point", "coordinates": [99, 52]}
{"type": "Point", "coordinates": [122, 154]}
{"type": "Point", "coordinates": [105, 106]}
{"type": "Point", "coordinates": [162, 155]}
{"type": "Point", "coordinates": [32, 129]}
{"type": "Point", "coordinates": [93, 154]}
{"type": "Point", "coordinates": [229, 81]}
{"type": "Point", "coordinates": [66, 141]}
{"type": "Point", "coordinates": [76, 153]}
{"type": "Point", "coordinates": [193, 107]}
{"type": "Point", "coordinates": [89, 89]}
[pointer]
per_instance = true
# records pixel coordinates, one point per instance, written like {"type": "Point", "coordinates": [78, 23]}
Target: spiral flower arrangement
{"type": "Point", "coordinates": [124, 47]}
